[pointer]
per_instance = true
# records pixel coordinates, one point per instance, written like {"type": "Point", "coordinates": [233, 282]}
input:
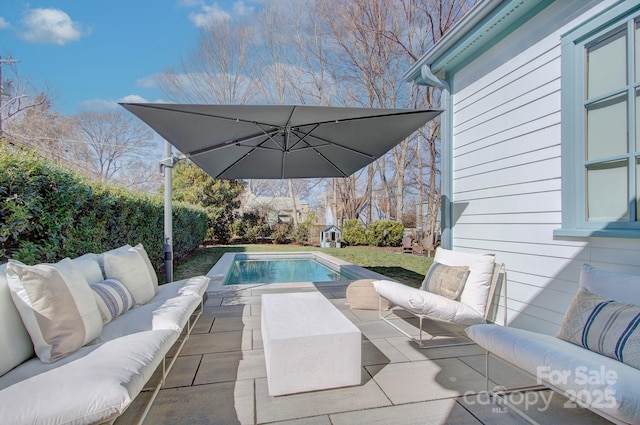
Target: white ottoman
{"type": "Point", "coordinates": [308, 344]}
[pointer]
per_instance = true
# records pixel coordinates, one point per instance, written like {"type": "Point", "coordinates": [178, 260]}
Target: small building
{"type": "Point", "coordinates": [331, 237]}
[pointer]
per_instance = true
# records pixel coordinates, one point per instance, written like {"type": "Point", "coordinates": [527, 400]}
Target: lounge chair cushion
{"type": "Point", "coordinates": [14, 338]}
{"type": "Point", "coordinates": [604, 326]}
{"type": "Point", "coordinates": [130, 268]}
{"type": "Point", "coordinates": [56, 305]}
{"type": "Point", "coordinates": [476, 290]}
{"type": "Point", "coordinates": [422, 302]}
{"type": "Point", "coordinates": [447, 281]}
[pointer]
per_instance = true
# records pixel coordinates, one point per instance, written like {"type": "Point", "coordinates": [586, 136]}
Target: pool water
{"type": "Point", "coordinates": [280, 271]}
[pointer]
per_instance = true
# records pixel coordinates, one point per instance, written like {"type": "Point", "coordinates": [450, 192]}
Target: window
{"type": "Point", "coordinates": [601, 125]}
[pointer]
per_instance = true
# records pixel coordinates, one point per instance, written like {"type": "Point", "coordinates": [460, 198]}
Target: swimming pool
{"type": "Point", "coordinates": [238, 270]}
{"type": "Point", "coordinates": [255, 271]}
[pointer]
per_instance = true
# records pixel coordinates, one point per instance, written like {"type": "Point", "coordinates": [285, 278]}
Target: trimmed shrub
{"type": "Point", "coordinates": [354, 233]}
{"type": "Point", "coordinates": [385, 233]}
{"type": "Point", "coordinates": [48, 213]}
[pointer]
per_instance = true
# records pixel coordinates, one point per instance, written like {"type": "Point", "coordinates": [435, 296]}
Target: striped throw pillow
{"type": "Point", "coordinates": [113, 298]}
{"type": "Point", "coordinates": [605, 326]}
{"type": "Point", "coordinates": [447, 281]}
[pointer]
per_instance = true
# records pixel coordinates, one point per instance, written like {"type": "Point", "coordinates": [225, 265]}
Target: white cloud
{"type": "Point", "coordinates": [110, 105]}
{"type": "Point", "coordinates": [148, 81]}
{"type": "Point", "coordinates": [4, 24]}
{"type": "Point", "coordinates": [241, 9]}
{"type": "Point", "coordinates": [50, 26]}
{"type": "Point", "coordinates": [208, 15]}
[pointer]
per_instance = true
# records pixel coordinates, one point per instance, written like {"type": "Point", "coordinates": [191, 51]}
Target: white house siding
{"type": "Point", "coordinates": [506, 170]}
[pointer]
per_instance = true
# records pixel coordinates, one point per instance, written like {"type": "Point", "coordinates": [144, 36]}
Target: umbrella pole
{"type": "Point", "coordinates": [168, 214]}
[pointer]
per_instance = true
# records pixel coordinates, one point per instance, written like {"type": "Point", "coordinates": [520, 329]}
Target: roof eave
{"type": "Point", "coordinates": [485, 22]}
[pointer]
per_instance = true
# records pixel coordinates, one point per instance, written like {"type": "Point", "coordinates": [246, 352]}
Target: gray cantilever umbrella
{"type": "Point", "coordinates": [280, 141]}
{"type": "Point", "coordinates": [275, 141]}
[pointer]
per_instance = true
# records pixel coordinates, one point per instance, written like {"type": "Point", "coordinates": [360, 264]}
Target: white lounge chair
{"type": "Point", "coordinates": [459, 288]}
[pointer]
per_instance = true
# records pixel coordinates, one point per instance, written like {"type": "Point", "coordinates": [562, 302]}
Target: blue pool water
{"type": "Point", "coordinates": [280, 271]}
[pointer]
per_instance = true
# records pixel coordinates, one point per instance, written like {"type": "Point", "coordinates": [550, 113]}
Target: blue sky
{"type": "Point", "coordinates": [96, 53]}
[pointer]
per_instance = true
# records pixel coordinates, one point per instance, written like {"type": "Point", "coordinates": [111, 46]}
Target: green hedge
{"type": "Point", "coordinates": [48, 213]}
{"type": "Point", "coordinates": [379, 233]}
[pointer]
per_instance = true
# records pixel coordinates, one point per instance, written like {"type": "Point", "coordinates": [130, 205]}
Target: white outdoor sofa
{"type": "Point", "coordinates": [85, 369]}
{"type": "Point", "coordinates": [605, 322]}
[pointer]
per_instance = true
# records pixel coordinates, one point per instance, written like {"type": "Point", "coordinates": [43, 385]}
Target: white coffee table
{"type": "Point", "coordinates": [308, 344]}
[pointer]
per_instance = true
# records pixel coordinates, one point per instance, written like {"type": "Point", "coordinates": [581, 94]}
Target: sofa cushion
{"type": "Point", "coordinates": [447, 281]}
{"type": "Point", "coordinates": [113, 298]}
{"type": "Point", "coordinates": [172, 313]}
{"type": "Point", "coordinates": [594, 378]}
{"type": "Point", "coordinates": [89, 266]}
{"type": "Point", "coordinates": [152, 272]}
{"type": "Point", "coordinates": [476, 290]}
{"type": "Point", "coordinates": [93, 385]}
{"type": "Point", "coordinates": [604, 326]}
{"type": "Point", "coordinates": [14, 338]}
{"type": "Point", "coordinates": [612, 285]}
{"type": "Point", "coordinates": [129, 268]}
{"type": "Point", "coordinates": [427, 303]}
{"type": "Point", "coordinates": [56, 305]}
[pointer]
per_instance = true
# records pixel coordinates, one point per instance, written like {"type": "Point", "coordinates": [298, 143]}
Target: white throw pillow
{"type": "Point", "coordinates": [129, 268]}
{"type": "Point", "coordinates": [89, 266]}
{"type": "Point", "coordinates": [113, 298]}
{"type": "Point", "coordinates": [152, 273]}
{"type": "Point", "coordinates": [14, 338]}
{"type": "Point", "coordinates": [476, 290]}
{"type": "Point", "coordinates": [101, 256]}
{"type": "Point", "coordinates": [616, 286]}
{"type": "Point", "coordinates": [57, 307]}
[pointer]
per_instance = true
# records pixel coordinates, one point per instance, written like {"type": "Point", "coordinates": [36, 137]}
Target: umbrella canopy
{"type": "Point", "coordinates": [280, 141]}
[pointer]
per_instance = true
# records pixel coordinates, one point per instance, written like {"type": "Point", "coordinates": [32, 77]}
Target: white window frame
{"type": "Point", "coordinates": [574, 43]}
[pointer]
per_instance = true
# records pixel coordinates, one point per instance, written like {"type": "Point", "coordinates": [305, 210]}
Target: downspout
{"type": "Point", "coordinates": [427, 78]}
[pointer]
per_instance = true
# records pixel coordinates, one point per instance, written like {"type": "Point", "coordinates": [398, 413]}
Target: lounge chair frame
{"type": "Point", "coordinates": [498, 271]}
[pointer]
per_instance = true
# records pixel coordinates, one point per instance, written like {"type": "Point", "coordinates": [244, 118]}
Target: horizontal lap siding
{"type": "Point", "coordinates": [506, 162]}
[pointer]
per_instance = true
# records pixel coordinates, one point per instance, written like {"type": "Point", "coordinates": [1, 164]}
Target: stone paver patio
{"type": "Point", "coordinates": [220, 376]}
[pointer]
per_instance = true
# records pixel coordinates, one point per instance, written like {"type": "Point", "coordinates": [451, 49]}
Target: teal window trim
{"type": "Point", "coordinates": [573, 45]}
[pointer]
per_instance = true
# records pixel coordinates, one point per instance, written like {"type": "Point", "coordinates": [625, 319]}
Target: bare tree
{"type": "Point", "coordinates": [115, 144]}
{"type": "Point", "coordinates": [218, 71]}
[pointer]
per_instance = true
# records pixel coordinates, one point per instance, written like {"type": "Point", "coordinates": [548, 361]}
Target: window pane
{"type": "Point", "coordinates": [607, 128]}
{"type": "Point", "coordinates": [607, 65]}
{"type": "Point", "coordinates": [638, 120]}
{"type": "Point", "coordinates": [637, 32]}
{"type": "Point", "coordinates": [607, 195]}
{"type": "Point", "coordinates": [637, 200]}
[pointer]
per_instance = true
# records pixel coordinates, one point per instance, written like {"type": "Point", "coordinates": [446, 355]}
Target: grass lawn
{"type": "Point", "coordinates": [406, 268]}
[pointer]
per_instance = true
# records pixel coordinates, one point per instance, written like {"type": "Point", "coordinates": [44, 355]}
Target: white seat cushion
{"type": "Point", "coordinates": [92, 385]}
{"type": "Point", "coordinates": [423, 302]}
{"type": "Point", "coordinates": [476, 290]}
{"type": "Point", "coordinates": [172, 313]}
{"type": "Point", "coordinates": [548, 357]}
{"type": "Point", "coordinates": [56, 305]}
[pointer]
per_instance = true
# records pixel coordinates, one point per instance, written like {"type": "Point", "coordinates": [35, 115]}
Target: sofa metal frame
{"type": "Point", "coordinates": [498, 271]}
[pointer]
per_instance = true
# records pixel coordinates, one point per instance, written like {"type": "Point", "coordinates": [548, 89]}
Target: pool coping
{"type": "Point", "coordinates": [219, 271]}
